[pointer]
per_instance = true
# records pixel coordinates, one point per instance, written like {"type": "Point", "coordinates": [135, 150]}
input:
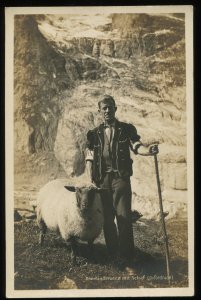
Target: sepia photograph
{"type": "Point", "coordinates": [99, 151]}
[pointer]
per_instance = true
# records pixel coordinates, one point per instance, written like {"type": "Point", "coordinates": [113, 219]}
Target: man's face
{"type": "Point", "coordinates": [107, 111]}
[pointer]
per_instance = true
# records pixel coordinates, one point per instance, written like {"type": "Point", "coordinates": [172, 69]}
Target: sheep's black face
{"type": "Point", "coordinates": [85, 197]}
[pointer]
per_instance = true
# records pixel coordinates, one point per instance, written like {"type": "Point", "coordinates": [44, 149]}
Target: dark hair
{"type": "Point", "coordinates": [105, 99]}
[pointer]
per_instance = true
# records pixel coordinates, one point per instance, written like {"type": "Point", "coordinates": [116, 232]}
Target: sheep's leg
{"type": "Point", "coordinates": [73, 250]}
{"type": "Point", "coordinates": [43, 229]}
{"type": "Point", "coordinates": [90, 247]}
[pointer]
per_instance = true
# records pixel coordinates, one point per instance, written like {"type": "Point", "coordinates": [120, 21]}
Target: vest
{"type": "Point", "coordinates": [120, 157]}
{"type": "Point", "coordinates": [109, 164]}
{"type": "Point", "coordinates": [124, 134]}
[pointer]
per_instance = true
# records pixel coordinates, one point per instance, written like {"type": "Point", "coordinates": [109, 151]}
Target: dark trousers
{"type": "Point", "coordinates": [116, 199]}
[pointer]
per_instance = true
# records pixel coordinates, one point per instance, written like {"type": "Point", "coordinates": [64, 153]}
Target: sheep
{"type": "Point", "coordinates": [76, 212]}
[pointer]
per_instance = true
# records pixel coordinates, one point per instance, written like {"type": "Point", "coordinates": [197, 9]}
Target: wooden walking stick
{"type": "Point", "coordinates": [165, 237]}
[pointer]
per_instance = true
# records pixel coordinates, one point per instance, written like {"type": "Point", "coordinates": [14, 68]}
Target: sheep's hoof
{"type": "Point", "coordinates": [73, 260]}
{"type": "Point", "coordinates": [40, 241]}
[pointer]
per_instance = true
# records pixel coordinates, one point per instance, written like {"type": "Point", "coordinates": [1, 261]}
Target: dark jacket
{"type": "Point", "coordinates": [124, 134]}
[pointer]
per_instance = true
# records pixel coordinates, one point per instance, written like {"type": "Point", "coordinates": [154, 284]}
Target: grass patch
{"type": "Point", "coordinates": [48, 266]}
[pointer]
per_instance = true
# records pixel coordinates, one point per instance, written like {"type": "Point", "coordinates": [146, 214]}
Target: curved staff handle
{"type": "Point", "coordinates": [165, 237]}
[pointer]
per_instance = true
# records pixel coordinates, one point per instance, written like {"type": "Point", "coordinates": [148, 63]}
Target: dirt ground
{"type": "Point", "coordinates": [49, 266]}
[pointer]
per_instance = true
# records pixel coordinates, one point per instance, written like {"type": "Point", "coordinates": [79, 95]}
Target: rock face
{"type": "Point", "coordinates": [39, 76]}
{"type": "Point", "coordinates": [60, 73]}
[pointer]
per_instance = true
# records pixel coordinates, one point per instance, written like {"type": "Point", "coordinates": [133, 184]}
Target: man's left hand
{"type": "Point", "coordinates": [153, 149]}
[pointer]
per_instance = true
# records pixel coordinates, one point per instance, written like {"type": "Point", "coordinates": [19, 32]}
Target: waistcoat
{"type": "Point", "coordinates": [124, 134]}
{"type": "Point", "coordinates": [109, 163]}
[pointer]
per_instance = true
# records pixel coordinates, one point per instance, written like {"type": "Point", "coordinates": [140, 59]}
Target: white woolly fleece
{"type": "Point", "coordinates": [58, 209]}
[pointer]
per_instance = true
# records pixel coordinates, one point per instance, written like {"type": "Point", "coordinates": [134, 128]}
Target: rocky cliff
{"type": "Point", "coordinates": [64, 63]}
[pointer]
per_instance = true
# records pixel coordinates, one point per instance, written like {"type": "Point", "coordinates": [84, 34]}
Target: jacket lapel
{"type": "Point", "coordinates": [117, 133]}
{"type": "Point", "coordinates": [100, 133]}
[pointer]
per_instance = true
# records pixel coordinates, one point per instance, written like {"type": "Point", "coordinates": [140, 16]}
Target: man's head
{"type": "Point", "coordinates": [107, 108]}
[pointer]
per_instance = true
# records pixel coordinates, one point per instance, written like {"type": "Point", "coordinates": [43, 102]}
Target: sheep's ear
{"type": "Point", "coordinates": [70, 188]}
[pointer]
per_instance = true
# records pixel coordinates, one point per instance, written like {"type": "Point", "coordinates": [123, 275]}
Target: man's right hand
{"type": "Point", "coordinates": [153, 149]}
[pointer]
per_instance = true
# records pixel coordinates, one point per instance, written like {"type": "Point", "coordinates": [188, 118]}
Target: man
{"type": "Point", "coordinates": [109, 166]}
